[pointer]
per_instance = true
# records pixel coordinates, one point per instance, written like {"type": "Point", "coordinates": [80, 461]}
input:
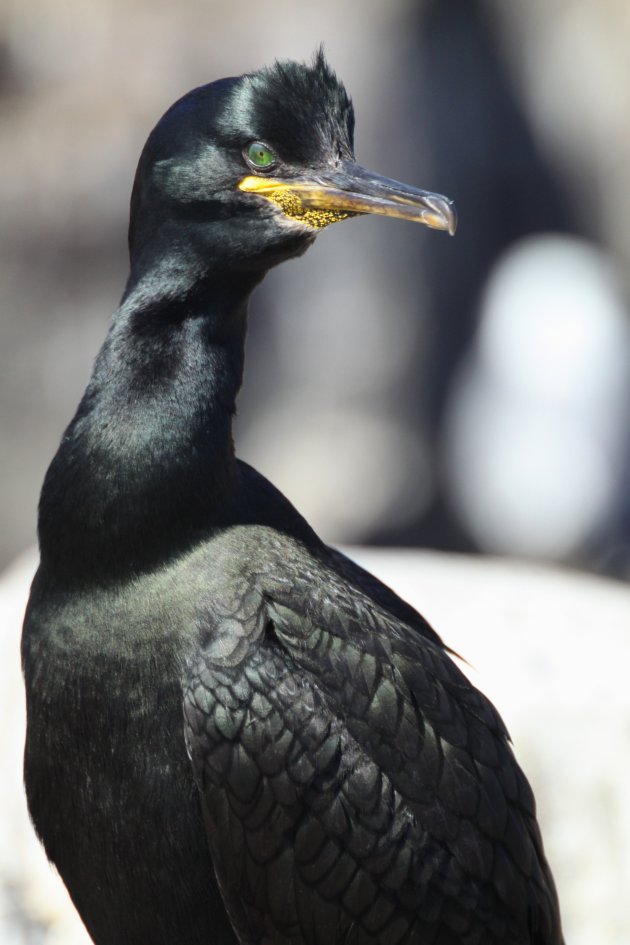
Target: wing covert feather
{"type": "Point", "coordinates": [355, 786]}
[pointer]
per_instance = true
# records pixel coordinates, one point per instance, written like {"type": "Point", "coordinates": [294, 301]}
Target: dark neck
{"type": "Point", "coordinates": [147, 463]}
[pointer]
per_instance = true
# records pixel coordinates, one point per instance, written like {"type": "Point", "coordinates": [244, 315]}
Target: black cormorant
{"type": "Point", "coordinates": [234, 732]}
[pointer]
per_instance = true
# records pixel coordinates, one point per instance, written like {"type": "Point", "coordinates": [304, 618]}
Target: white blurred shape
{"type": "Point", "coordinates": [539, 417]}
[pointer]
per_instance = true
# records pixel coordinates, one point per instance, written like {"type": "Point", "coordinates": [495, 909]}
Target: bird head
{"type": "Point", "coordinates": [244, 172]}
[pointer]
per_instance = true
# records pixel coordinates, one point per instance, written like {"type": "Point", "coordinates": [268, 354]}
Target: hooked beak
{"type": "Point", "coordinates": [350, 189]}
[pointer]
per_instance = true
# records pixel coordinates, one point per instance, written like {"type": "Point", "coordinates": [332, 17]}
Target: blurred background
{"type": "Point", "coordinates": [402, 388]}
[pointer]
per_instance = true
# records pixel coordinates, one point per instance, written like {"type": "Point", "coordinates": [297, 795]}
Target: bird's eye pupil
{"type": "Point", "coordinates": [260, 155]}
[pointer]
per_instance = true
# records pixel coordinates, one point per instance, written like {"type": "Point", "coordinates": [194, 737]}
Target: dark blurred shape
{"type": "Point", "coordinates": [465, 111]}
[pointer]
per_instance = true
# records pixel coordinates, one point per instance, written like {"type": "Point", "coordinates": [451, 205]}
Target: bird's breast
{"type": "Point", "coordinates": [108, 779]}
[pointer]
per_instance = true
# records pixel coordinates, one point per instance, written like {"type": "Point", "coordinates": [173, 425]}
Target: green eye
{"type": "Point", "coordinates": [259, 155]}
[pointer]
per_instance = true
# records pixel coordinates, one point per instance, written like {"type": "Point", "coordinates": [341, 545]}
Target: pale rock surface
{"type": "Point", "coordinates": [551, 648]}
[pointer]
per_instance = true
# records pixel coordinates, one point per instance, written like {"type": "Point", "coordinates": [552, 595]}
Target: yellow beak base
{"type": "Point", "coordinates": [288, 198]}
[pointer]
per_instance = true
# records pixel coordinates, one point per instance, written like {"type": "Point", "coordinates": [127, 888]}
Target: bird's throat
{"type": "Point", "coordinates": [148, 460]}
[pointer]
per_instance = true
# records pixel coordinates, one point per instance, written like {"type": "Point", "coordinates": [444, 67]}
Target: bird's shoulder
{"type": "Point", "coordinates": [262, 504]}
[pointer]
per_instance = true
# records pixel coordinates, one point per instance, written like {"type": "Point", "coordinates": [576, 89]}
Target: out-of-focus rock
{"type": "Point", "coordinates": [551, 648]}
{"type": "Point", "coordinates": [34, 904]}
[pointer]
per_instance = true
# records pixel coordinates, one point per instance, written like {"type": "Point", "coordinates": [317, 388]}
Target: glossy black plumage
{"type": "Point", "coordinates": [233, 731]}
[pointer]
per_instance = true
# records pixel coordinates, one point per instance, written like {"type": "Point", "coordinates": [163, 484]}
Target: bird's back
{"type": "Point", "coordinates": [355, 786]}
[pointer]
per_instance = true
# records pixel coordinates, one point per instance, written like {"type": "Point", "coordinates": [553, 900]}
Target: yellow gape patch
{"type": "Point", "coordinates": [291, 205]}
{"type": "Point", "coordinates": [287, 197]}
